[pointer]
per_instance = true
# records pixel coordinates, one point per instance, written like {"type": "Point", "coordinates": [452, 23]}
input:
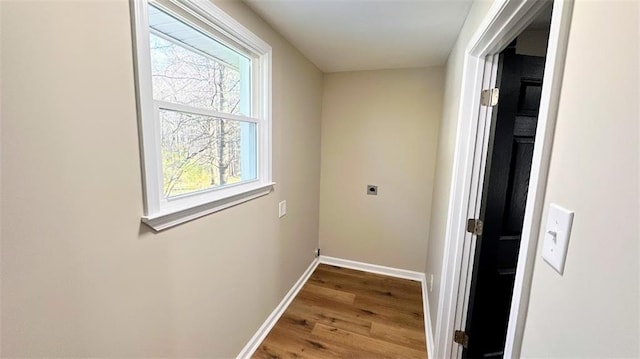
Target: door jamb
{"type": "Point", "coordinates": [503, 23]}
{"type": "Point", "coordinates": [477, 183]}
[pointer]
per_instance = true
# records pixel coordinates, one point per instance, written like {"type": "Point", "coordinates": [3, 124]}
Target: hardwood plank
{"type": "Point", "coordinates": [345, 313]}
{"type": "Point", "coordinates": [336, 318]}
{"type": "Point", "coordinates": [383, 309]}
{"type": "Point", "coordinates": [318, 293]}
{"type": "Point", "coordinates": [411, 316]}
{"type": "Point", "coordinates": [398, 334]}
{"type": "Point", "coordinates": [377, 289]}
{"type": "Point", "coordinates": [370, 347]}
{"type": "Point", "coordinates": [373, 312]}
{"type": "Point", "coordinates": [283, 343]}
{"type": "Point", "coordinates": [366, 286]}
{"type": "Point", "coordinates": [369, 278]}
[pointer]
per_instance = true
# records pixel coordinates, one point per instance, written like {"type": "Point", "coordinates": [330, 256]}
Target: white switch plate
{"type": "Point", "coordinates": [556, 237]}
{"type": "Point", "coordinates": [282, 209]}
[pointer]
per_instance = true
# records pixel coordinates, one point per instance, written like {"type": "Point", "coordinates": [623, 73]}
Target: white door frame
{"type": "Point", "coordinates": [504, 22]}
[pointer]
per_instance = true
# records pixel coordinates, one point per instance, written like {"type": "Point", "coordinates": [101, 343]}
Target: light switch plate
{"type": "Point", "coordinates": [556, 237]}
{"type": "Point", "coordinates": [282, 209]}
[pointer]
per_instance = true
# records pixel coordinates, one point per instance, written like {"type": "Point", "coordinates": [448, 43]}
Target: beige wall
{"type": "Point", "coordinates": [593, 309]}
{"type": "Point", "coordinates": [380, 128]}
{"type": "Point", "coordinates": [445, 152]}
{"type": "Point", "coordinates": [80, 275]}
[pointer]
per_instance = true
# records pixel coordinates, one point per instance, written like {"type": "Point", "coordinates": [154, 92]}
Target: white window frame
{"type": "Point", "coordinates": [160, 213]}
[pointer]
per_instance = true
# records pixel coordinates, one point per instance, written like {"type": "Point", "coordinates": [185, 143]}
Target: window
{"type": "Point", "coordinates": [203, 92]}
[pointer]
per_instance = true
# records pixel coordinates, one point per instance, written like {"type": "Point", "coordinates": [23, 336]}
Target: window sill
{"type": "Point", "coordinates": [161, 221]}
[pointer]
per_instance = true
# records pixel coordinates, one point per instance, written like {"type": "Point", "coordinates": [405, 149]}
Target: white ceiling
{"type": "Point", "coordinates": [350, 35]}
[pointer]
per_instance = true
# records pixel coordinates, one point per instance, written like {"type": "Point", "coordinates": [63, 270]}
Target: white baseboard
{"type": "Point", "coordinates": [266, 327]}
{"type": "Point", "coordinates": [428, 330]}
{"type": "Point", "coordinates": [373, 268]}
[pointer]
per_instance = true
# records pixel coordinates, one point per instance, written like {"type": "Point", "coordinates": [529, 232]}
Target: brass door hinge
{"type": "Point", "coordinates": [489, 97]}
{"type": "Point", "coordinates": [461, 338]}
{"type": "Point", "coordinates": [474, 226]}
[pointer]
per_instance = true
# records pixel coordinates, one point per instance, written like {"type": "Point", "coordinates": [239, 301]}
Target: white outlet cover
{"type": "Point", "coordinates": [282, 209]}
{"type": "Point", "coordinates": [556, 237]}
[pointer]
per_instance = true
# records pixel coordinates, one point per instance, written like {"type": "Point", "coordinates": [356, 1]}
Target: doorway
{"type": "Point", "coordinates": [504, 23]}
{"type": "Point", "coordinates": [504, 193]}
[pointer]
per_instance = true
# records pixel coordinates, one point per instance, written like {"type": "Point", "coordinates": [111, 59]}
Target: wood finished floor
{"type": "Point", "coordinates": [345, 313]}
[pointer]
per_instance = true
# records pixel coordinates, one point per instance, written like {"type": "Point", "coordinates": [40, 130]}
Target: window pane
{"type": "Point", "coordinates": [193, 69]}
{"type": "Point", "coordinates": [200, 152]}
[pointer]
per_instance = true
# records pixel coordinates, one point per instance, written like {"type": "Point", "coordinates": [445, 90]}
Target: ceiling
{"type": "Point", "coordinates": [352, 35]}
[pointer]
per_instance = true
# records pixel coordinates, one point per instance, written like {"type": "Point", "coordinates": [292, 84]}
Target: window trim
{"type": "Point", "coordinates": [159, 214]}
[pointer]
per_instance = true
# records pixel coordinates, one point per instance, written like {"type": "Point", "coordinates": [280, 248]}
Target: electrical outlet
{"type": "Point", "coordinates": [317, 252]}
{"type": "Point", "coordinates": [282, 209]}
{"type": "Point", "coordinates": [430, 282]}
